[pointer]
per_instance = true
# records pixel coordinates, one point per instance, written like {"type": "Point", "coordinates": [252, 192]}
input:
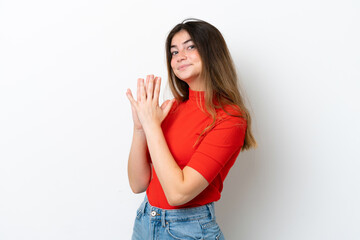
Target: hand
{"type": "Point", "coordinates": [137, 123]}
{"type": "Point", "coordinates": [146, 110]}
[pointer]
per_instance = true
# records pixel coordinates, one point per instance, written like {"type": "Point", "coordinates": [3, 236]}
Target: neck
{"type": "Point", "coordinates": [197, 85]}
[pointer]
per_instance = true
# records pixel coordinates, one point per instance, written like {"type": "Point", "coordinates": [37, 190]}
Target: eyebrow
{"type": "Point", "coordinates": [172, 46]}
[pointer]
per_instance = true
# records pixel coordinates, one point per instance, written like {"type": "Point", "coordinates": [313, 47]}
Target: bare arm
{"type": "Point", "coordinates": [180, 185]}
{"type": "Point", "coordinates": [139, 169]}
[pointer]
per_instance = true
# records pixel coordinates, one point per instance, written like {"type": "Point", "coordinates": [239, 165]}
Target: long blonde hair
{"type": "Point", "coordinates": [218, 71]}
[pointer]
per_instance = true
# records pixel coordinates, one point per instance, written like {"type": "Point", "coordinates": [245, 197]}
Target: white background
{"type": "Point", "coordinates": [65, 122]}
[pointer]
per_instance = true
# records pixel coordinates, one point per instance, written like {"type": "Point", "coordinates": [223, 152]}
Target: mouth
{"type": "Point", "coordinates": [182, 67]}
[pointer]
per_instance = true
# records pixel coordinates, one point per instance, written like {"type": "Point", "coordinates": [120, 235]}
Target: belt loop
{"type": "Point", "coordinates": [163, 223]}
{"type": "Point", "coordinates": [211, 209]}
{"type": "Point", "coordinates": [143, 205]}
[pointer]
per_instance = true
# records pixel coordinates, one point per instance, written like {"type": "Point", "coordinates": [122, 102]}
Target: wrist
{"type": "Point", "coordinates": [138, 130]}
{"type": "Point", "coordinates": [139, 133]}
{"type": "Point", "coordinates": [150, 127]}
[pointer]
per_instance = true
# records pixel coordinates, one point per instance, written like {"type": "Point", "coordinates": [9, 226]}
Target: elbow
{"type": "Point", "coordinates": [138, 185]}
{"type": "Point", "coordinates": [177, 200]}
{"type": "Point", "coordinates": [138, 189]}
{"type": "Point", "coordinates": [173, 203]}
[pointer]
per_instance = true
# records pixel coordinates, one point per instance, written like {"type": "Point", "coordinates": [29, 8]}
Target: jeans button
{"type": "Point", "coordinates": [153, 213]}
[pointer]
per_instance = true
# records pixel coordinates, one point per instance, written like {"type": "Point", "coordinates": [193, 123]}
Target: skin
{"type": "Point", "coordinates": [186, 61]}
{"type": "Point", "coordinates": [179, 185]}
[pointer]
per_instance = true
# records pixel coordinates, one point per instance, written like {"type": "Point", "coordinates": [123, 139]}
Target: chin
{"type": "Point", "coordinates": [187, 77]}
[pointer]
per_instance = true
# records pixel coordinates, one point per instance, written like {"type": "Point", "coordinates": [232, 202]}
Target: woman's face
{"type": "Point", "coordinates": [186, 61]}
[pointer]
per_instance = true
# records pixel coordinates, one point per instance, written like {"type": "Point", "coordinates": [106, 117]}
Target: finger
{"type": "Point", "coordinates": [138, 89]}
{"type": "Point", "coordinates": [147, 79]}
{"type": "Point", "coordinates": [142, 91]}
{"type": "Point", "coordinates": [150, 88]}
{"type": "Point", "coordinates": [164, 104]}
{"type": "Point", "coordinates": [168, 107]}
{"type": "Point", "coordinates": [157, 90]}
{"type": "Point", "coordinates": [147, 82]}
{"type": "Point", "coordinates": [131, 98]}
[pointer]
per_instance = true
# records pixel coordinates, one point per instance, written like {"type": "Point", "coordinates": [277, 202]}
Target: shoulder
{"type": "Point", "coordinates": [229, 128]}
{"type": "Point", "coordinates": [231, 116]}
{"type": "Point", "coordinates": [229, 131]}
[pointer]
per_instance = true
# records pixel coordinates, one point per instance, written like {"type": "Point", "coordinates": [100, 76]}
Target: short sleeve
{"type": "Point", "coordinates": [218, 146]}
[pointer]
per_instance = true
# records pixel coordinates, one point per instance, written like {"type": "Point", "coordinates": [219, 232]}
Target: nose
{"type": "Point", "coordinates": [181, 56]}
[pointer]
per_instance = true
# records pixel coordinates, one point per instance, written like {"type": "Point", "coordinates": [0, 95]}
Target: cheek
{"type": "Point", "coordinates": [196, 58]}
{"type": "Point", "coordinates": [199, 59]}
{"type": "Point", "coordinates": [172, 64]}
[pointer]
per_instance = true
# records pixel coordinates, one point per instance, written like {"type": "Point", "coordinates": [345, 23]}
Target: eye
{"type": "Point", "coordinates": [191, 47]}
{"type": "Point", "coordinates": [173, 53]}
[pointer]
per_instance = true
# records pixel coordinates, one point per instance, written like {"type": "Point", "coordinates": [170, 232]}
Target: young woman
{"type": "Point", "coordinates": [182, 151]}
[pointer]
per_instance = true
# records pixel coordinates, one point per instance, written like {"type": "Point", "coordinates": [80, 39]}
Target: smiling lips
{"type": "Point", "coordinates": [182, 67]}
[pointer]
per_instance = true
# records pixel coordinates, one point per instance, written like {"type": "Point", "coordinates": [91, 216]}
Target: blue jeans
{"type": "Point", "coordinates": [196, 223]}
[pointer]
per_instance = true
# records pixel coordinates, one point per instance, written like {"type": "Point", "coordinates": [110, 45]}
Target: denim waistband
{"type": "Point", "coordinates": [173, 215]}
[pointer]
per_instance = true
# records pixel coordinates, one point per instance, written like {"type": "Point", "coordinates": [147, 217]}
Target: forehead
{"type": "Point", "coordinates": [180, 37]}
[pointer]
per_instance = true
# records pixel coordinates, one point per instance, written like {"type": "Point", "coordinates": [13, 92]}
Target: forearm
{"type": "Point", "coordinates": [139, 169]}
{"type": "Point", "coordinates": [170, 175]}
{"type": "Point", "coordinates": [179, 185]}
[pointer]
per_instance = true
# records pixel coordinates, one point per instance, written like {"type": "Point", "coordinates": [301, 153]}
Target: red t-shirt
{"type": "Point", "coordinates": [213, 155]}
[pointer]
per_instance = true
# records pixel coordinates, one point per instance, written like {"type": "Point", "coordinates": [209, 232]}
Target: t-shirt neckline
{"type": "Point", "coordinates": [196, 95]}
